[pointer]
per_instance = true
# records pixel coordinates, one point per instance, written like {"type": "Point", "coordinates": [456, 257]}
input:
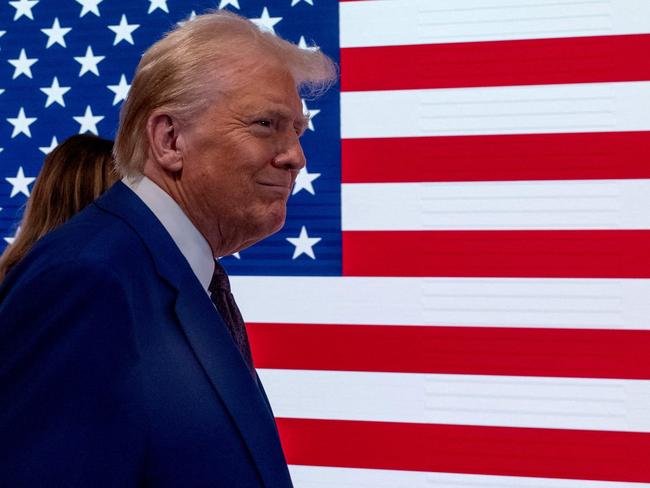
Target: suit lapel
{"type": "Point", "coordinates": [232, 379]}
{"type": "Point", "coordinates": [208, 336]}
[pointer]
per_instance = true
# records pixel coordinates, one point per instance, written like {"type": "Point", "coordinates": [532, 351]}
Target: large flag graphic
{"type": "Point", "coordinates": [460, 296]}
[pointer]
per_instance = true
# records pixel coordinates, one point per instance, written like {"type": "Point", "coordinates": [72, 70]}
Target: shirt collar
{"type": "Point", "coordinates": [187, 237]}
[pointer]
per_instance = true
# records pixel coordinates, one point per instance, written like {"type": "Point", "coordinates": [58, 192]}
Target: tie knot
{"type": "Point", "coordinates": [219, 279]}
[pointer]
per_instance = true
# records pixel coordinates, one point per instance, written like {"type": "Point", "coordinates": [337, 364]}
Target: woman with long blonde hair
{"type": "Point", "coordinates": [75, 173]}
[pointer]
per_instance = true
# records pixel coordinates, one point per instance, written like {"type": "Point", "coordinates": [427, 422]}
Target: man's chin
{"type": "Point", "coordinates": [276, 222]}
{"type": "Point", "coordinates": [267, 226]}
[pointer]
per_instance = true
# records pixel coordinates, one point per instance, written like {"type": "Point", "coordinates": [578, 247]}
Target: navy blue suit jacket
{"type": "Point", "coordinates": [117, 370]}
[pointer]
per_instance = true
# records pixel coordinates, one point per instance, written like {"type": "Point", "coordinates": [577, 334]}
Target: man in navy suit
{"type": "Point", "coordinates": [118, 365]}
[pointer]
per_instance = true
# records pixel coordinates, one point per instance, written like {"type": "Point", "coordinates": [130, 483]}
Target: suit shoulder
{"type": "Point", "coordinates": [95, 249]}
{"type": "Point", "coordinates": [93, 234]}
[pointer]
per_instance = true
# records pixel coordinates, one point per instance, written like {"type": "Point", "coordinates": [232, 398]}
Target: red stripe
{"type": "Point", "coordinates": [604, 155]}
{"type": "Point", "coordinates": [541, 254]}
{"type": "Point", "coordinates": [496, 63]}
{"type": "Point", "coordinates": [453, 350]}
{"type": "Point", "coordinates": [548, 453]}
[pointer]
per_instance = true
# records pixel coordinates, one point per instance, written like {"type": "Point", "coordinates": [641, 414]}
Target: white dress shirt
{"type": "Point", "coordinates": [187, 237]}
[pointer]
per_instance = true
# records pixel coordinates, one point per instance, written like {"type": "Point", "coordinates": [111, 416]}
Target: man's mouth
{"type": "Point", "coordinates": [283, 186]}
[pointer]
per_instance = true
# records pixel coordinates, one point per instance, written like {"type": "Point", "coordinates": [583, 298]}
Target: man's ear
{"type": "Point", "coordinates": [163, 139]}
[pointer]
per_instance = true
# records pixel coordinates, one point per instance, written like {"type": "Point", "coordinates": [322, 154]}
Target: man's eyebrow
{"type": "Point", "coordinates": [284, 114]}
{"type": "Point", "coordinates": [302, 122]}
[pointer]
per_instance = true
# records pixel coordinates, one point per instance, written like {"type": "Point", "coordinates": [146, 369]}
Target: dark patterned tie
{"type": "Point", "coordinates": [224, 301]}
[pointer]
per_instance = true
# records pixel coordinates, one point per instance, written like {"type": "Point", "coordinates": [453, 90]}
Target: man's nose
{"type": "Point", "coordinates": [291, 155]}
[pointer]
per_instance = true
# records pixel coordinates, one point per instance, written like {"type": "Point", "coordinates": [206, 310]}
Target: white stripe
{"type": "Point", "coordinates": [326, 477]}
{"type": "Point", "coordinates": [506, 401]}
{"type": "Point", "coordinates": [580, 107]}
{"type": "Point", "coordinates": [497, 205]}
{"type": "Point", "coordinates": [399, 22]}
{"type": "Point", "coordinates": [488, 302]}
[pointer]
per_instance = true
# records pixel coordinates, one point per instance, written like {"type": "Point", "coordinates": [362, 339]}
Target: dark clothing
{"type": "Point", "coordinates": [117, 370]}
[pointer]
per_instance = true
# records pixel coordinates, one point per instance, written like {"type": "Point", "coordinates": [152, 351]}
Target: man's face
{"type": "Point", "coordinates": [240, 160]}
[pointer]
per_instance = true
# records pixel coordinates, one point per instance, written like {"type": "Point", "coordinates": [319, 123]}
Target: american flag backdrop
{"type": "Point", "coordinates": [461, 295]}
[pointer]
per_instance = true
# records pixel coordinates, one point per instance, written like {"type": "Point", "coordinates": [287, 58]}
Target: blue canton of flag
{"type": "Point", "coordinates": [66, 67]}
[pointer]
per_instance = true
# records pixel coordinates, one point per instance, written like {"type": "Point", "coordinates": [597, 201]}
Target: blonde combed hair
{"type": "Point", "coordinates": [75, 173]}
{"type": "Point", "coordinates": [190, 66]}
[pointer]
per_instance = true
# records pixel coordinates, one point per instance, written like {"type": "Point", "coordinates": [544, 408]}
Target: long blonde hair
{"type": "Point", "coordinates": [75, 173]}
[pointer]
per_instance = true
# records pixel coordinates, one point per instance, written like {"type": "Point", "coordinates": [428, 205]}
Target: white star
{"type": "Point", "coordinates": [21, 124]}
{"type": "Point", "coordinates": [304, 181]}
{"type": "Point", "coordinates": [50, 148]}
{"type": "Point", "coordinates": [23, 65]}
{"type": "Point", "coordinates": [88, 122]}
{"type": "Point", "coordinates": [121, 90]}
{"type": "Point", "coordinates": [310, 115]}
{"type": "Point", "coordinates": [295, 2]}
{"type": "Point", "coordinates": [302, 44]}
{"type": "Point", "coordinates": [89, 62]}
{"type": "Point", "coordinates": [23, 7]}
{"type": "Point", "coordinates": [123, 31]}
{"type": "Point", "coordinates": [20, 184]}
{"type": "Point", "coordinates": [89, 6]}
{"type": "Point", "coordinates": [55, 34]}
{"type": "Point", "coordinates": [225, 3]}
{"type": "Point", "coordinates": [10, 240]}
{"type": "Point", "coordinates": [161, 4]}
{"type": "Point", "coordinates": [233, 255]}
{"type": "Point", "coordinates": [265, 22]}
{"type": "Point", "coordinates": [189, 18]}
{"type": "Point", "coordinates": [304, 244]}
{"type": "Point", "coordinates": [55, 93]}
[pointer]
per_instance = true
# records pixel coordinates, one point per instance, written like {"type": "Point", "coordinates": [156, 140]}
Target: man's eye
{"type": "Point", "coordinates": [264, 122]}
